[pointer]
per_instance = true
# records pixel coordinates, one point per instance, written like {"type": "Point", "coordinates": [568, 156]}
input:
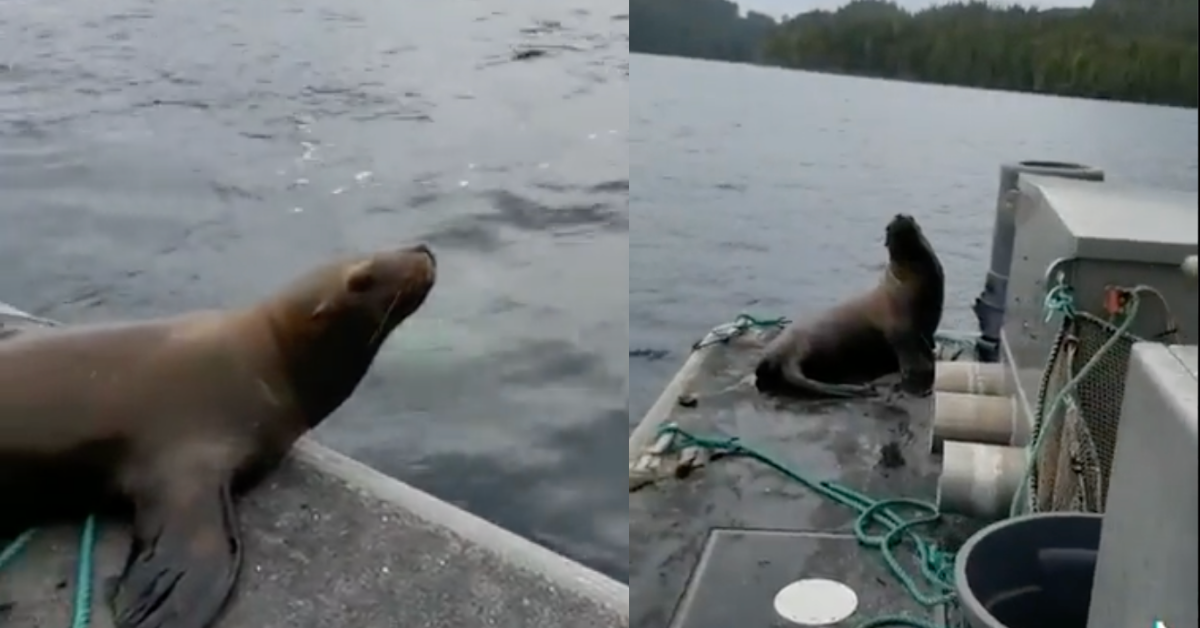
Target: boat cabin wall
{"type": "Point", "coordinates": [1147, 566]}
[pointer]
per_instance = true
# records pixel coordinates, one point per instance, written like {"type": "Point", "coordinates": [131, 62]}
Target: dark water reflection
{"type": "Point", "coordinates": [161, 156]}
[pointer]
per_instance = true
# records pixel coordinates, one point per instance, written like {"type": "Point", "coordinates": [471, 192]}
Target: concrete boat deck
{"type": "Point", "coordinates": [330, 542]}
{"type": "Point", "coordinates": [713, 550]}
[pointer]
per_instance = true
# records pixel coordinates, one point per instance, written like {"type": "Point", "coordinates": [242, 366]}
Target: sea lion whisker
{"type": "Point", "coordinates": [387, 315]}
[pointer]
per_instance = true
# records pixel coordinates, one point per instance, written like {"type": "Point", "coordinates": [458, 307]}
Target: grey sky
{"type": "Point", "coordinates": [792, 7]}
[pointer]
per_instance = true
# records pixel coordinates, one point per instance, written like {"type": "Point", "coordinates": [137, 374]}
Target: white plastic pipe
{"type": "Point", "coordinates": [976, 419]}
{"type": "Point", "coordinates": [979, 480]}
{"type": "Point", "coordinates": [974, 378]}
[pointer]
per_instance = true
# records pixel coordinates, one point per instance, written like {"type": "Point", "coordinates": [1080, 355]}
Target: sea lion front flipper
{"type": "Point", "coordinates": [917, 361]}
{"type": "Point", "coordinates": [185, 557]}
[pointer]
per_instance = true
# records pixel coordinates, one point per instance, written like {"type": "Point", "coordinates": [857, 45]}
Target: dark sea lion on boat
{"type": "Point", "coordinates": [169, 418]}
{"type": "Point", "coordinates": [887, 329]}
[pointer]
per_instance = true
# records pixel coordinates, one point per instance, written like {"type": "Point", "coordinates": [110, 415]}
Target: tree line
{"type": "Point", "coordinates": [701, 29]}
{"type": "Point", "coordinates": [1132, 50]}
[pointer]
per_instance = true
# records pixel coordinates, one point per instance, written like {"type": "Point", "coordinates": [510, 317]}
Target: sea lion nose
{"type": "Point", "coordinates": [423, 248]}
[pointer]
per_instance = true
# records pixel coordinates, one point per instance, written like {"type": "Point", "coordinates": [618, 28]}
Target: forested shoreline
{"type": "Point", "coordinates": [1129, 50]}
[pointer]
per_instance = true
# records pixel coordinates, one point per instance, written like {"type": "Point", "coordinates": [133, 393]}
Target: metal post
{"type": "Point", "coordinates": [989, 305]}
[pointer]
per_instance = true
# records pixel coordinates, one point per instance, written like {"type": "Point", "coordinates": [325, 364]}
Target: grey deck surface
{"type": "Point", "coordinates": [325, 553]}
{"type": "Point", "coordinates": [321, 555]}
{"type": "Point", "coordinates": [712, 550]}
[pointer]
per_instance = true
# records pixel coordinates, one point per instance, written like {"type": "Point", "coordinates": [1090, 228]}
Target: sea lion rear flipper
{"type": "Point", "coordinates": [184, 560]}
{"type": "Point", "coordinates": [794, 375]}
{"type": "Point", "coordinates": [917, 361]}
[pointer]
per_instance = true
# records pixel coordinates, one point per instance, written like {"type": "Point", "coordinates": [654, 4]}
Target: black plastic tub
{"type": "Point", "coordinates": [1032, 571]}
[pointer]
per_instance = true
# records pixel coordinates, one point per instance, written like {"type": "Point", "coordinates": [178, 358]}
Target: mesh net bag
{"type": "Point", "coordinates": [1076, 458]}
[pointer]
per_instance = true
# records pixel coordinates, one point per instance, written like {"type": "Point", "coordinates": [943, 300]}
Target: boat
{"type": "Point", "coordinates": [980, 505]}
{"type": "Point", "coordinates": [328, 542]}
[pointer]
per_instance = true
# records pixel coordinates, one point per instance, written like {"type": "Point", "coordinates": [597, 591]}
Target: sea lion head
{"type": "Point", "coordinates": [914, 270]}
{"type": "Point", "coordinates": [329, 325]}
{"type": "Point", "coordinates": [379, 291]}
{"type": "Point", "coordinates": [905, 241]}
{"type": "Point", "coordinates": [354, 304]}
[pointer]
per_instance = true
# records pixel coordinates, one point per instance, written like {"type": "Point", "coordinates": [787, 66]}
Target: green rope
{"type": "Point", "coordinates": [81, 612]}
{"type": "Point", "coordinates": [964, 339]}
{"type": "Point", "coordinates": [952, 345]}
{"type": "Point", "coordinates": [81, 615]}
{"type": "Point", "coordinates": [13, 549]}
{"type": "Point", "coordinates": [761, 323]}
{"type": "Point", "coordinates": [1060, 300]}
{"type": "Point", "coordinates": [740, 325]}
{"type": "Point", "coordinates": [936, 565]}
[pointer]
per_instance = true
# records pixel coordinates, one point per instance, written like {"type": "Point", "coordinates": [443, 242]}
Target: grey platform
{"type": "Point", "coordinates": [712, 550]}
{"type": "Point", "coordinates": [332, 543]}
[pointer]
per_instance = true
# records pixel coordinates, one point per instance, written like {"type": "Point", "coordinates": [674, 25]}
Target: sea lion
{"type": "Point", "coordinates": [887, 329]}
{"type": "Point", "coordinates": [170, 418]}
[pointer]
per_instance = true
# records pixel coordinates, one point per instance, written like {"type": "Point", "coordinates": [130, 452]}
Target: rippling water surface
{"type": "Point", "coordinates": [162, 156]}
{"type": "Point", "coordinates": [766, 191]}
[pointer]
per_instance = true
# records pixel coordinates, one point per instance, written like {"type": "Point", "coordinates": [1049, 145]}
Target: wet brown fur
{"type": "Point", "coordinates": [885, 330]}
{"type": "Point", "coordinates": [166, 419]}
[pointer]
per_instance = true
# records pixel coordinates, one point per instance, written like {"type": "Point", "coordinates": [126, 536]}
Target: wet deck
{"type": "Point", "coordinates": [712, 550]}
{"type": "Point", "coordinates": [330, 542]}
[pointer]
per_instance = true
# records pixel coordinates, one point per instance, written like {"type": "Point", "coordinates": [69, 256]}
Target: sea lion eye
{"type": "Point", "coordinates": [361, 280]}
